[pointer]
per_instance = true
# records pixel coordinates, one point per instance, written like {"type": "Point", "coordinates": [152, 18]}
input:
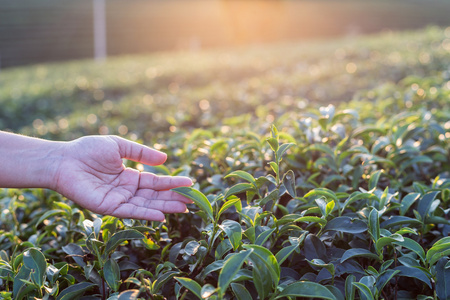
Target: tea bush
{"type": "Point", "coordinates": [292, 198]}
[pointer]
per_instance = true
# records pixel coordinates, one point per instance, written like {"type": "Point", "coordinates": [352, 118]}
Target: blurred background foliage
{"type": "Point", "coordinates": [53, 30]}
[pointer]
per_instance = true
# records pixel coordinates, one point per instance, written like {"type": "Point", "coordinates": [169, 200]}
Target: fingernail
{"type": "Point", "coordinates": [186, 211]}
{"type": "Point", "coordinates": [163, 221]}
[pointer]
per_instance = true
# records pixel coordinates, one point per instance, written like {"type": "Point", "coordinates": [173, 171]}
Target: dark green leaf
{"type": "Point", "coordinates": [111, 273]}
{"type": "Point", "coordinates": [387, 240]}
{"type": "Point", "coordinates": [374, 177]}
{"type": "Point", "coordinates": [240, 292]}
{"type": "Point", "coordinates": [191, 285]}
{"type": "Point", "coordinates": [374, 224]}
{"type": "Point", "coordinates": [306, 289]}
{"type": "Point", "coordinates": [263, 236]}
{"type": "Point", "coordinates": [350, 289]}
{"type": "Point", "coordinates": [399, 220]}
{"type": "Point", "coordinates": [34, 260]}
{"type": "Point", "coordinates": [364, 290]}
{"type": "Point", "coordinates": [346, 224]}
{"type": "Point", "coordinates": [414, 273]}
{"type": "Point", "coordinates": [265, 269]}
{"type": "Point", "coordinates": [75, 291]}
{"type": "Point", "coordinates": [413, 246]}
{"type": "Point", "coordinates": [230, 268]}
{"type": "Point", "coordinates": [425, 203]}
{"type": "Point", "coordinates": [18, 285]}
{"type": "Point", "coordinates": [162, 279]}
{"type": "Point", "coordinates": [407, 201]}
{"type": "Point", "coordinates": [284, 253]}
{"type": "Point", "coordinates": [443, 279]}
{"type": "Point", "coordinates": [234, 232]}
{"type": "Point", "coordinates": [358, 252]}
{"type": "Point", "coordinates": [384, 278]}
{"type": "Point", "coordinates": [289, 183]}
{"type": "Point", "coordinates": [314, 248]}
{"type": "Point", "coordinates": [120, 237]}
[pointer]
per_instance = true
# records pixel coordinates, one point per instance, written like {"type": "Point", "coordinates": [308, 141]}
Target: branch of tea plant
{"type": "Point", "coordinates": [208, 250]}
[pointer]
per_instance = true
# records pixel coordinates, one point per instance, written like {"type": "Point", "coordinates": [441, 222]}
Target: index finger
{"type": "Point", "coordinates": [139, 153]}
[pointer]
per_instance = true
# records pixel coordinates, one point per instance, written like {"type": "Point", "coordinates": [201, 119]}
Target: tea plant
{"type": "Point", "coordinates": [346, 201]}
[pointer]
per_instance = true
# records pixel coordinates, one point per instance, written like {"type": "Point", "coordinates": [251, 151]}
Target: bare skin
{"type": "Point", "coordinates": [90, 172]}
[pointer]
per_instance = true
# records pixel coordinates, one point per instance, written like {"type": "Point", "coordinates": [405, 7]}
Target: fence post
{"type": "Point", "coordinates": [99, 30]}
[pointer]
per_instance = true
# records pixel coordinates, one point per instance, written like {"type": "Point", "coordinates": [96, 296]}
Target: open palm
{"type": "Point", "coordinates": [92, 174]}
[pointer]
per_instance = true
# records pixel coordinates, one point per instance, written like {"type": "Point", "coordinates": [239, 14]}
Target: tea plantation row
{"type": "Point", "coordinates": [294, 197]}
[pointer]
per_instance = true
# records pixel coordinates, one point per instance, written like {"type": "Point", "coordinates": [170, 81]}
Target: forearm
{"type": "Point", "coordinates": [27, 162]}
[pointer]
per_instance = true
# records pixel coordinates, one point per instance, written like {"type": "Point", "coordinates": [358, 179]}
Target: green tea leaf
{"type": "Point", "coordinates": [120, 237]}
{"type": "Point", "coordinates": [238, 188]}
{"type": "Point", "coordinates": [191, 285]}
{"type": "Point", "coordinates": [19, 285]}
{"type": "Point", "coordinates": [289, 183]}
{"type": "Point", "coordinates": [358, 252]}
{"type": "Point", "coordinates": [163, 279]}
{"type": "Point", "coordinates": [413, 273]}
{"type": "Point", "coordinates": [443, 279]}
{"type": "Point", "coordinates": [234, 232]}
{"type": "Point", "coordinates": [243, 175]}
{"type": "Point", "coordinates": [413, 246]}
{"type": "Point", "coordinates": [263, 236]}
{"type": "Point", "coordinates": [75, 291]}
{"type": "Point", "coordinates": [207, 291]}
{"type": "Point", "coordinates": [364, 290]}
{"type": "Point", "coordinates": [387, 240]}
{"type": "Point", "coordinates": [306, 289]}
{"type": "Point", "coordinates": [199, 199]}
{"type": "Point", "coordinates": [346, 224]}
{"type": "Point", "coordinates": [384, 278]}
{"type": "Point", "coordinates": [232, 202]}
{"type": "Point", "coordinates": [374, 177]}
{"type": "Point", "coordinates": [128, 295]}
{"type": "Point", "coordinates": [34, 260]}
{"type": "Point", "coordinates": [399, 220]}
{"type": "Point", "coordinates": [438, 250]}
{"type": "Point", "coordinates": [425, 203]}
{"type": "Point", "coordinates": [282, 149]}
{"type": "Point", "coordinates": [311, 219]}
{"type": "Point", "coordinates": [284, 253]}
{"type": "Point", "coordinates": [230, 268]}
{"type": "Point", "coordinates": [374, 224]}
{"type": "Point", "coordinates": [240, 292]}
{"type": "Point", "coordinates": [111, 273]}
{"type": "Point", "coordinates": [350, 288]}
{"type": "Point", "coordinates": [265, 269]}
{"type": "Point", "coordinates": [407, 201]}
{"type": "Point", "coordinates": [273, 143]}
{"type": "Point", "coordinates": [322, 192]}
{"type": "Point", "coordinates": [49, 214]}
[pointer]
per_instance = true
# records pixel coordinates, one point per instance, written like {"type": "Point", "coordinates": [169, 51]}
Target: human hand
{"type": "Point", "coordinates": [92, 174]}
